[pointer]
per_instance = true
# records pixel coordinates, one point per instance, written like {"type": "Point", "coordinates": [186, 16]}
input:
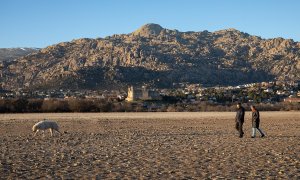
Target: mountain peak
{"type": "Point", "coordinates": [148, 29]}
{"type": "Point", "coordinates": [159, 59]}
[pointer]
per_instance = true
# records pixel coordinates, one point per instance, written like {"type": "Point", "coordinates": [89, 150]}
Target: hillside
{"type": "Point", "coordinates": [157, 56]}
{"type": "Point", "coordinates": [9, 54]}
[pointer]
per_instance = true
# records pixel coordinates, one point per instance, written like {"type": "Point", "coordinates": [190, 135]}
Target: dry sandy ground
{"type": "Point", "coordinates": [150, 146]}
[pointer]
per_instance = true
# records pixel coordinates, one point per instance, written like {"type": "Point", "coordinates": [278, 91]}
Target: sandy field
{"type": "Point", "coordinates": [150, 146]}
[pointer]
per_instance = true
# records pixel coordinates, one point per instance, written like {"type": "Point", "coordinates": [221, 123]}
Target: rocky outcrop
{"type": "Point", "coordinates": [148, 30]}
{"type": "Point", "coordinates": [156, 56]}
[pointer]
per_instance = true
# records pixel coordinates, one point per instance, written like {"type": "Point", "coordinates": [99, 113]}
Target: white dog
{"type": "Point", "coordinates": [44, 125]}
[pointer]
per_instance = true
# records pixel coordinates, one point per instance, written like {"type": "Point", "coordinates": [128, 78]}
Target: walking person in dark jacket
{"type": "Point", "coordinates": [239, 119]}
{"type": "Point", "coordinates": [255, 122]}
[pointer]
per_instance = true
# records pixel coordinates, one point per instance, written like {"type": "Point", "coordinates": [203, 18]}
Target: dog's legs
{"type": "Point", "coordinates": [35, 133]}
{"type": "Point", "coordinates": [43, 133]}
{"type": "Point", "coordinates": [51, 131]}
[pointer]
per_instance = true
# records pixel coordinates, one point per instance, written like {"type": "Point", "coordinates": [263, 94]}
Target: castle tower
{"type": "Point", "coordinates": [130, 96]}
{"type": "Point", "coordinates": [145, 93]}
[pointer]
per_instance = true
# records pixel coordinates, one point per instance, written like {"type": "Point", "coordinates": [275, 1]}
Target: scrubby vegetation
{"type": "Point", "coordinates": [92, 105]}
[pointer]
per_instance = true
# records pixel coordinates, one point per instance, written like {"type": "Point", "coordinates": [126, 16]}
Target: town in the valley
{"type": "Point", "coordinates": [264, 92]}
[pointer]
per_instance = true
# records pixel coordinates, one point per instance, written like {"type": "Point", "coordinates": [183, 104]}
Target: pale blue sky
{"type": "Point", "coordinates": [39, 23]}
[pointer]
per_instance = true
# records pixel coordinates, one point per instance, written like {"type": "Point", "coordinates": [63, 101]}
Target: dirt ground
{"type": "Point", "coordinates": [150, 146]}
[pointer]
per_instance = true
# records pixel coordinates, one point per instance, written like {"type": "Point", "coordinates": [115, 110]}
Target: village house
{"type": "Point", "coordinates": [292, 100]}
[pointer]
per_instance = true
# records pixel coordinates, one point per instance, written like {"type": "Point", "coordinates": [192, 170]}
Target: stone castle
{"type": "Point", "coordinates": [143, 93]}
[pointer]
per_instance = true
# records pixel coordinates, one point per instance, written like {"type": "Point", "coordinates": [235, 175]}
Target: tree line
{"type": "Point", "coordinates": [21, 105]}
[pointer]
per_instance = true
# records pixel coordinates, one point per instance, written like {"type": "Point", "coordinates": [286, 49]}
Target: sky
{"type": "Point", "coordinates": [40, 23]}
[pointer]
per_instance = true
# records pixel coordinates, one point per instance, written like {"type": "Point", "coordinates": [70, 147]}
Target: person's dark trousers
{"type": "Point", "coordinates": [239, 127]}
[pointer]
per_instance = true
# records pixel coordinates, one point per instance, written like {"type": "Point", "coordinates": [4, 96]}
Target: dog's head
{"type": "Point", "coordinates": [34, 129]}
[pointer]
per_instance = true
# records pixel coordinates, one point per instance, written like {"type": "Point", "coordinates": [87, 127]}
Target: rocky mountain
{"type": "Point", "coordinates": [157, 56]}
{"type": "Point", "coordinates": [9, 54]}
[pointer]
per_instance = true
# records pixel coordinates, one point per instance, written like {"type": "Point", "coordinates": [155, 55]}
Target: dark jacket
{"type": "Point", "coordinates": [255, 119]}
{"type": "Point", "coordinates": [240, 115]}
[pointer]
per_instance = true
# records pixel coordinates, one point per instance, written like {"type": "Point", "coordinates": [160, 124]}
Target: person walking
{"type": "Point", "coordinates": [239, 119]}
{"type": "Point", "coordinates": [255, 122]}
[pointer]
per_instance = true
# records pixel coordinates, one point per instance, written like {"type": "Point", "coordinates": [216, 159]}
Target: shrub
{"type": "Point", "coordinates": [54, 105]}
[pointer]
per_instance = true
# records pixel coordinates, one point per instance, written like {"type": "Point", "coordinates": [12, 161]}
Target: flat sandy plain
{"type": "Point", "coordinates": [150, 146]}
